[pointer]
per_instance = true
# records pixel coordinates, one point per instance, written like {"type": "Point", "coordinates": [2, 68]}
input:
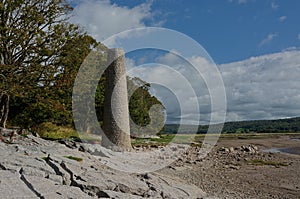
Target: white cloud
{"type": "Point", "coordinates": [274, 6]}
{"type": "Point", "coordinates": [189, 89]}
{"type": "Point", "coordinates": [292, 48]}
{"type": "Point", "coordinates": [268, 39]}
{"type": "Point", "coordinates": [282, 18]}
{"type": "Point", "coordinates": [263, 87]}
{"type": "Point", "coordinates": [240, 1]}
{"type": "Point", "coordinates": [102, 19]}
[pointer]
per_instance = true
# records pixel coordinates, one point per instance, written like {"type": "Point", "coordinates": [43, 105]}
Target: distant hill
{"type": "Point", "coordinates": [254, 126]}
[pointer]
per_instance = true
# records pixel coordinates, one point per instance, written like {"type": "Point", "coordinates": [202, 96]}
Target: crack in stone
{"type": "Point", "coordinates": [88, 189]}
{"type": "Point", "coordinates": [29, 185]}
{"type": "Point", "coordinates": [145, 178]}
{"type": "Point", "coordinates": [178, 188]}
{"type": "Point", "coordinates": [2, 167]}
{"type": "Point", "coordinates": [182, 190]}
{"type": "Point", "coordinates": [56, 169]}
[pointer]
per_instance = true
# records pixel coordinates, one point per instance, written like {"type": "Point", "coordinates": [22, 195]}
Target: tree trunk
{"type": "Point", "coordinates": [4, 109]}
{"type": "Point", "coordinates": [116, 114]}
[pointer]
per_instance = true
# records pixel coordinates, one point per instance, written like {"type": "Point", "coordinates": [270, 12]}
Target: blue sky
{"type": "Point", "coordinates": [231, 30]}
{"type": "Point", "coordinates": [254, 43]}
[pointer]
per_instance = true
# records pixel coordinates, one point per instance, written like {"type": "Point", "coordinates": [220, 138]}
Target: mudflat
{"type": "Point", "coordinates": [268, 167]}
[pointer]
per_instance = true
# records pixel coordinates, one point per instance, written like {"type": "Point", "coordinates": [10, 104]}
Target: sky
{"type": "Point", "coordinates": [254, 44]}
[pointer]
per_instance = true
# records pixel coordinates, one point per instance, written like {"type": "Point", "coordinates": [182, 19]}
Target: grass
{"type": "Point", "coordinates": [50, 131]}
{"type": "Point", "coordinates": [197, 139]}
{"type": "Point", "coordinates": [256, 135]}
{"type": "Point", "coordinates": [24, 135]}
{"type": "Point", "coordinates": [44, 158]}
{"type": "Point", "coordinates": [89, 137]}
{"type": "Point", "coordinates": [74, 158]}
{"type": "Point", "coordinates": [165, 139]}
{"type": "Point", "coordinates": [263, 162]}
{"type": "Point", "coordinates": [237, 136]}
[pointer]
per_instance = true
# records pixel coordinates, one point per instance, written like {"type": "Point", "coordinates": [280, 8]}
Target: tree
{"type": "Point", "coordinates": [141, 103]}
{"type": "Point", "coordinates": [33, 34]}
{"type": "Point", "coordinates": [40, 54]}
{"type": "Point", "coordinates": [54, 103]}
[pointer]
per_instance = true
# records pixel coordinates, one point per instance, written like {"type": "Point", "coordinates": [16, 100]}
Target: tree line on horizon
{"type": "Point", "coordinates": [291, 125]}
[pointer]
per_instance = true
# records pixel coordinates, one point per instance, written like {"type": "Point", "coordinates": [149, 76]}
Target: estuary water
{"type": "Point", "coordinates": [290, 150]}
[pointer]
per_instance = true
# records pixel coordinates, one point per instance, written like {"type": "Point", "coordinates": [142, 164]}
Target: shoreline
{"type": "Point", "coordinates": [234, 168]}
{"type": "Point", "coordinates": [241, 174]}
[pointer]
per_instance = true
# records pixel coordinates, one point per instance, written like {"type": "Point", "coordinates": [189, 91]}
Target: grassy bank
{"type": "Point", "coordinates": [197, 139]}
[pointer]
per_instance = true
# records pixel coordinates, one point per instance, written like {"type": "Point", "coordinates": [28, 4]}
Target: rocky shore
{"type": "Point", "coordinates": [242, 169]}
{"type": "Point", "coordinates": [31, 167]}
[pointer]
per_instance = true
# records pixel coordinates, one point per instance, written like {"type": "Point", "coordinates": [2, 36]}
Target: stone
{"type": "Point", "coordinates": [116, 112]}
{"type": "Point", "coordinates": [49, 189]}
{"type": "Point", "coordinates": [234, 167]}
{"type": "Point", "coordinates": [11, 186]}
{"type": "Point", "coordinates": [174, 188]}
{"type": "Point", "coordinates": [52, 175]}
{"type": "Point", "coordinates": [114, 194]}
{"type": "Point", "coordinates": [224, 149]}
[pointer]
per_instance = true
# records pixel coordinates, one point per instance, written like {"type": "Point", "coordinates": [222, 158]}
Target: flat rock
{"type": "Point", "coordinates": [11, 186]}
{"type": "Point", "coordinates": [35, 168]}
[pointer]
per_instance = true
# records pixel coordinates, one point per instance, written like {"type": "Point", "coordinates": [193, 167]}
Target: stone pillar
{"type": "Point", "coordinates": [116, 114]}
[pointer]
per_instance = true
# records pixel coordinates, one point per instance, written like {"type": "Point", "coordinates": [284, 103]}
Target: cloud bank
{"type": "Point", "coordinates": [263, 87]}
{"type": "Point", "coordinates": [102, 19]}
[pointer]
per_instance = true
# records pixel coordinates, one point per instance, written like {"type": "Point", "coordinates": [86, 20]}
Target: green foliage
{"type": "Point", "coordinates": [35, 46]}
{"type": "Point", "coordinates": [41, 54]}
{"type": "Point", "coordinates": [54, 102]}
{"type": "Point", "coordinates": [161, 141]}
{"type": "Point", "coordinates": [32, 36]}
{"type": "Point", "coordinates": [51, 131]}
{"type": "Point", "coordinates": [74, 158]}
{"type": "Point", "coordinates": [27, 112]}
{"type": "Point", "coordinates": [140, 104]}
{"type": "Point", "coordinates": [44, 158]}
{"type": "Point", "coordinates": [264, 126]}
{"type": "Point", "coordinates": [291, 125]}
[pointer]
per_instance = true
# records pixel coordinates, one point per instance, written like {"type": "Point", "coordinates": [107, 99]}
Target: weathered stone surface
{"type": "Point", "coordinates": [172, 187]}
{"type": "Point", "coordinates": [50, 189]}
{"type": "Point", "coordinates": [11, 186]}
{"type": "Point", "coordinates": [117, 195]}
{"type": "Point", "coordinates": [116, 113]}
{"type": "Point", "coordinates": [35, 168]}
